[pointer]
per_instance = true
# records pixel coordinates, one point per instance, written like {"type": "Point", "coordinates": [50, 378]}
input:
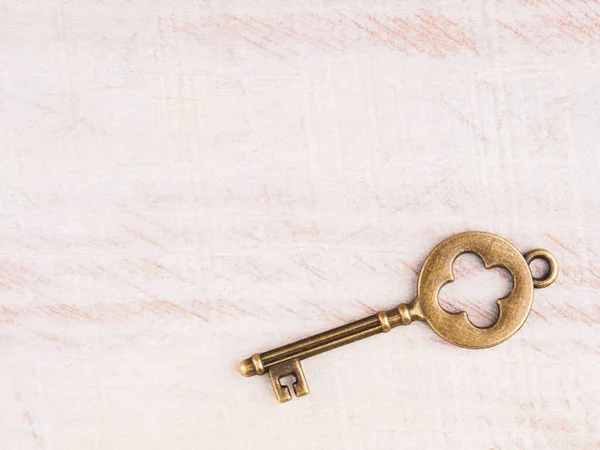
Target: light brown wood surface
{"type": "Point", "coordinates": [184, 183]}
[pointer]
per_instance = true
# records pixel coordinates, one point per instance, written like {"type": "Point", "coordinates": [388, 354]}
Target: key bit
{"type": "Point", "coordinates": [284, 369]}
{"type": "Point", "coordinates": [455, 328]}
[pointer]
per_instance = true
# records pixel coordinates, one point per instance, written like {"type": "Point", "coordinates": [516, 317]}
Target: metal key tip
{"type": "Point", "coordinates": [247, 368]}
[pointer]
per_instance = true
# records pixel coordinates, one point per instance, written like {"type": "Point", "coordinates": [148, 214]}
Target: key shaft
{"type": "Point", "coordinates": [381, 322]}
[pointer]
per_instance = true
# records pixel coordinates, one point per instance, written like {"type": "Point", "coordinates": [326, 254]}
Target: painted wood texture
{"type": "Point", "coordinates": [184, 183]}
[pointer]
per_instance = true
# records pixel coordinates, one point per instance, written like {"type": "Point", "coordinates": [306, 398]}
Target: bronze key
{"type": "Point", "coordinates": [456, 328]}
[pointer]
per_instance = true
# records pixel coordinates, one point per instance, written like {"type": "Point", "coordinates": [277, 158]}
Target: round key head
{"type": "Point", "coordinates": [512, 309]}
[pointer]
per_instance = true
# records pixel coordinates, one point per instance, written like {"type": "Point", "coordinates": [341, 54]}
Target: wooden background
{"type": "Point", "coordinates": [183, 183]}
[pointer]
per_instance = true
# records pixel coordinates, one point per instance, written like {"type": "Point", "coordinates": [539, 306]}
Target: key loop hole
{"type": "Point", "coordinates": [551, 274]}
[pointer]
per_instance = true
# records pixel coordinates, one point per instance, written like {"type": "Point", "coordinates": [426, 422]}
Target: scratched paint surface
{"type": "Point", "coordinates": [185, 183]}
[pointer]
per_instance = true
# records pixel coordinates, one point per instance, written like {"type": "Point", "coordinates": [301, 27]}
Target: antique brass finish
{"type": "Point", "coordinates": [284, 369]}
{"type": "Point", "coordinates": [456, 328]}
{"type": "Point", "coordinates": [552, 273]}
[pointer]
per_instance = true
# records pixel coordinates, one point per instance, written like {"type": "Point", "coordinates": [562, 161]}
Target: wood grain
{"type": "Point", "coordinates": [185, 183]}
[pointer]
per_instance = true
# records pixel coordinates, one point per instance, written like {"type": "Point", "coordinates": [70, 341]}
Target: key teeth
{"type": "Point", "coordinates": [285, 369]}
{"type": "Point", "coordinates": [301, 390]}
{"type": "Point", "coordinates": [283, 394]}
{"type": "Point", "coordinates": [300, 386]}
